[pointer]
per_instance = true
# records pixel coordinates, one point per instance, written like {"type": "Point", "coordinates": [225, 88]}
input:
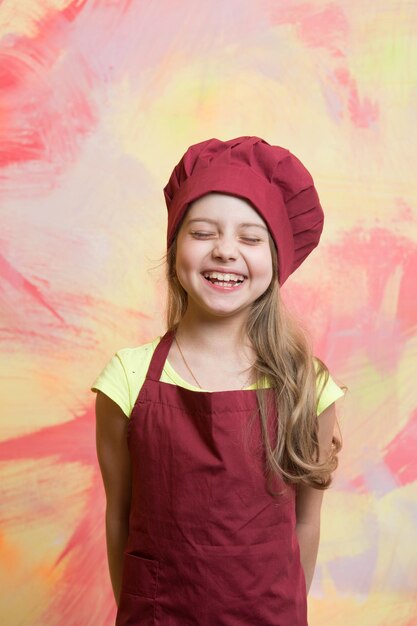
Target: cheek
{"type": "Point", "coordinates": [191, 252]}
{"type": "Point", "coordinates": [184, 261]}
{"type": "Point", "coordinates": [263, 265]}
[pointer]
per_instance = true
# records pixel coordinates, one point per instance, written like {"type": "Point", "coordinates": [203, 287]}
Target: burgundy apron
{"type": "Point", "coordinates": [207, 544]}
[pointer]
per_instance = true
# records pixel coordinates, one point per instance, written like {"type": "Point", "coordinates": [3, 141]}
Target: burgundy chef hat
{"type": "Point", "coordinates": [274, 181]}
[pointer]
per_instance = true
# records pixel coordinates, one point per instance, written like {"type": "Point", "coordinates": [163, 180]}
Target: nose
{"type": "Point", "coordinates": [225, 248]}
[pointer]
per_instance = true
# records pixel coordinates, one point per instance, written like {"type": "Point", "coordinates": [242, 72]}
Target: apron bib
{"type": "Point", "coordinates": [207, 544]}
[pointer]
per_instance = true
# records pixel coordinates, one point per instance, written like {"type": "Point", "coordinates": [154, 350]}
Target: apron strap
{"type": "Point", "coordinates": [159, 356]}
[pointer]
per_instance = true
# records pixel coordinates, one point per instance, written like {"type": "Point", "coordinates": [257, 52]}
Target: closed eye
{"type": "Point", "coordinates": [200, 235]}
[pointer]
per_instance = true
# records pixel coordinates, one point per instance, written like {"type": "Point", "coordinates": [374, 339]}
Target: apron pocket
{"type": "Point", "coordinates": [139, 587]}
{"type": "Point", "coordinates": [140, 576]}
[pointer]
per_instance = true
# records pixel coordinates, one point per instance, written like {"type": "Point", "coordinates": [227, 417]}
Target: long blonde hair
{"type": "Point", "coordinates": [285, 359]}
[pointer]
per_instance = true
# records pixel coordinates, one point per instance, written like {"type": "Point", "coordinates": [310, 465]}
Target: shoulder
{"type": "Point", "coordinates": [122, 377]}
{"type": "Point", "coordinates": [328, 391]}
{"type": "Point", "coordinates": [134, 357]}
{"type": "Point", "coordinates": [127, 360]}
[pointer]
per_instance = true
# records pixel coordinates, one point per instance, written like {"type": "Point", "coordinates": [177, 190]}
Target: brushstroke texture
{"type": "Point", "coordinates": [98, 102]}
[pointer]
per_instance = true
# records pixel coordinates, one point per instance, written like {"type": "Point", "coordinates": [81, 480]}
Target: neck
{"type": "Point", "coordinates": [215, 336]}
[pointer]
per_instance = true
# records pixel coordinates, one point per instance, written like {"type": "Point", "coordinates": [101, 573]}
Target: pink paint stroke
{"type": "Point", "coordinates": [326, 27]}
{"type": "Point", "coordinates": [83, 559]}
{"type": "Point", "coordinates": [400, 454]}
{"type": "Point", "coordinates": [363, 111]}
{"type": "Point", "coordinates": [19, 282]}
{"type": "Point", "coordinates": [47, 107]}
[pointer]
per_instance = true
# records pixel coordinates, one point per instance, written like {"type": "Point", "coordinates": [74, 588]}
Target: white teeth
{"type": "Point", "coordinates": [224, 277]}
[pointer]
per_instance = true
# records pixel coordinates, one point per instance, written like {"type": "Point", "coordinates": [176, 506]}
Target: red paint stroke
{"type": "Point", "coordinates": [326, 28]}
{"type": "Point", "coordinates": [371, 256]}
{"type": "Point", "coordinates": [401, 453]}
{"type": "Point", "coordinates": [407, 303]}
{"type": "Point", "coordinates": [70, 442]}
{"type": "Point", "coordinates": [46, 107]}
{"type": "Point", "coordinates": [377, 252]}
{"type": "Point", "coordinates": [73, 9]}
{"type": "Point", "coordinates": [19, 282]}
{"type": "Point", "coordinates": [363, 111]}
{"type": "Point", "coordinates": [358, 485]}
{"type": "Point", "coordinates": [77, 597]}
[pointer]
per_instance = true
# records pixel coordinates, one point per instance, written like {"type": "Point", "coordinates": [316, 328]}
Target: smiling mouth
{"type": "Point", "coordinates": [229, 283]}
{"type": "Point", "coordinates": [224, 277]}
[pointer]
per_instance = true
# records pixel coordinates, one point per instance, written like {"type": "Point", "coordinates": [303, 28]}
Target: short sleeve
{"type": "Point", "coordinates": [330, 394]}
{"type": "Point", "coordinates": [113, 381]}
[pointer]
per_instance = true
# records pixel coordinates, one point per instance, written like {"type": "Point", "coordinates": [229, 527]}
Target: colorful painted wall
{"type": "Point", "coordinates": [99, 100]}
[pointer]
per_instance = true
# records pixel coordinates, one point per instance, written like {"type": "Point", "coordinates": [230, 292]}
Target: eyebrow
{"type": "Point", "coordinates": [206, 219]}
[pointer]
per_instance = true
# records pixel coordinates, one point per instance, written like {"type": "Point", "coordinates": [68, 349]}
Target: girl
{"type": "Point", "coordinates": [214, 484]}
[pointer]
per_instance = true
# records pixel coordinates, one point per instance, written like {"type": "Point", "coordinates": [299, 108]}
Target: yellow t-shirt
{"type": "Point", "coordinates": [123, 376]}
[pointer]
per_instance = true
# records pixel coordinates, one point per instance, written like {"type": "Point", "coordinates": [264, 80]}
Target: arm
{"type": "Point", "coordinates": [114, 461]}
{"type": "Point", "coordinates": [309, 501]}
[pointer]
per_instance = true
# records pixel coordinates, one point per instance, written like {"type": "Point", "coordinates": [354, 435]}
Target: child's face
{"type": "Point", "coordinates": [223, 233]}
